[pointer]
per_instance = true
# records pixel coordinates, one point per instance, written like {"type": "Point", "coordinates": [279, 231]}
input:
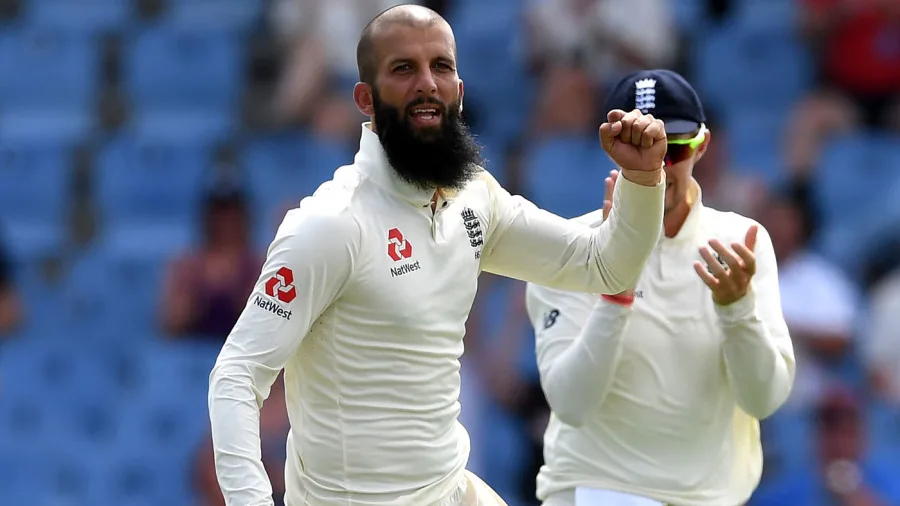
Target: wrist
{"type": "Point", "coordinates": [739, 310]}
{"type": "Point", "coordinates": [621, 299]}
{"type": "Point", "coordinates": [644, 177]}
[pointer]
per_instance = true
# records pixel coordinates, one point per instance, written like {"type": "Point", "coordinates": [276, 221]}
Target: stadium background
{"type": "Point", "coordinates": [125, 127]}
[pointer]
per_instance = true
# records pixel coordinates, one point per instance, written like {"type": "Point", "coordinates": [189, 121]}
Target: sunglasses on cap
{"type": "Point", "coordinates": [679, 150]}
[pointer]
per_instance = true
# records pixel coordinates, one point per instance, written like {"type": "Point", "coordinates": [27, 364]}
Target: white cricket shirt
{"type": "Point", "coordinates": [363, 300]}
{"type": "Point", "coordinates": [662, 399]}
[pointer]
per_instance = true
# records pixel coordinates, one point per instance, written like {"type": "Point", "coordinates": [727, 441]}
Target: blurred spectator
{"type": "Point", "coordinates": [566, 105]}
{"type": "Point", "coordinates": [843, 475]}
{"type": "Point", "coordinates": [723, 187]}
{"type": "Point", "coordinates": [882, 347]}
{"type": "Point", "coordinates": [10, 306]}
{"type": "Point", "coordinates": [206, 289]}
{"type": "Point", "coordinates": [820, 304]}
{"type": "Point", "coordinates": [607, 37]}
{"type": "Point", "coordinates": [319, 38]}
{"type": "Point", "coordinates": [273, 430]}
{"type": "Point", "coordinates": [857, 44]}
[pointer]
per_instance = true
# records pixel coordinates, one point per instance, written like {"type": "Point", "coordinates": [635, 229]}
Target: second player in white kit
{"type": "Point", "coordinates": [656, 393]}
{"type": "Point", "coordinates": [367, 286]}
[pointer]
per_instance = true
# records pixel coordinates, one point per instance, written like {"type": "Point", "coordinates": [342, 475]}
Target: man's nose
{"type": "Point", "coordinates": [426, 84]}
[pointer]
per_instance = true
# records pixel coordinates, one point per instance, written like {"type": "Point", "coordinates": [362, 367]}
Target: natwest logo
{"type": "Point", "coordinates": [281, 285]}
{"type": "Point", "coordinates": [398, 247]}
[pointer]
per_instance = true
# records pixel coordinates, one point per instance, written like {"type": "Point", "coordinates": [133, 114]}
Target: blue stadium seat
{"type": "Point", "coordinates": [49, 81]}
{"type": "Point", "coordinates": [215, 15]}
{"type": "Point", "coordinates": [491, 46]}
{"type": "Point", "coordinates": [109, 298]}
{"type": "Point", "coordinates": [149, 195]}
{"type": "Point", "coordinates": [60, 475]}
{"type": "Point", "coordinates": [282, 169]}
{"type": "Point", "coordinates": [782, 14]}
{"type": "Point", "coordinates": [55, 393]}
{"type": "Point", "coordinates": [139, 474]}
{"type": "Point", "coordinates": [884, 428]}
{"type": "Point", "coordinates": [745, 63]}
{"type": "Point", "coordinates": [88, 16]}
{"type": "Point", "coordinates": [565, 175]}
{"type": "Point", "coordinates": [790, 432]}
{"type": "Point", "coordinates": [755, 140]}
{"type": "Point", "coordinates": [689, 15]}
{"type": "Point", "coordinates": [47, 67]}
{"type": "Point", "coordinates": [34, 192]}
{"type": "Point", "coordinates": [853, 190]}
{"type": "Point", "coordinates": [504, 461]}
{"type": "Point", "coordinates": [189, 82]}
{"type": "Point", "coordinates": [181, 367]}
{"type": "Point", "coordinates": [24, 417]}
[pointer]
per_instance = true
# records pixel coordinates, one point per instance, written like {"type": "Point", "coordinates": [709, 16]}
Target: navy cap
{"type": "Point", "coordinates": [664, 94]}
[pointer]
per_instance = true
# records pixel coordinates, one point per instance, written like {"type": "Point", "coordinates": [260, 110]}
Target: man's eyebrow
{"type": "Point", "coordinates": [398, 60]}
{"type": "Point", "coordinates": [402, 59]}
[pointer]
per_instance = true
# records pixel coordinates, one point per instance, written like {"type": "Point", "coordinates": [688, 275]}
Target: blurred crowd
{"type": "Point", "coordinates": [149, 148]}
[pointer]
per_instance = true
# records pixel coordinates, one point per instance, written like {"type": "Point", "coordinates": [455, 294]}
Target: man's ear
{"type": "Point", "coordinates": [701, 150]}
{"type": "Point", "coordinates": [362, 95]}
{"type": "Point", "coordinates": [462, 92]}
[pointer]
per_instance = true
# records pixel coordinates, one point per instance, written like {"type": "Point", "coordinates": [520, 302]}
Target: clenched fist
{"type": "Point", "coordinates": [636, 142]}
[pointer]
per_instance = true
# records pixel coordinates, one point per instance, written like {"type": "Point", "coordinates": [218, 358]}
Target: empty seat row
{"type": "Point", "coordinates": [104, 16]}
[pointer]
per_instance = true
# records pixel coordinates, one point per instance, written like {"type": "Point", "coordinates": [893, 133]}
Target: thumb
{"type": "Point", "coordinates": [750, 239]}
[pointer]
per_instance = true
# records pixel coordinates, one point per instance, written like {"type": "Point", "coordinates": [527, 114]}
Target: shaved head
{"type": "Point", "coordinates": [413, 16]}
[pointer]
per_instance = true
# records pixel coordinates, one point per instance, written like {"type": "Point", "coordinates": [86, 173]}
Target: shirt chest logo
{"type": "Point", "coordinates": [473, 230]}
{"type": "Point", "coordinates": [400, 249]}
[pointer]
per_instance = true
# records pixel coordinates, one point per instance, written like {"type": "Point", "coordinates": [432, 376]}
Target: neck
{"type": "Point", "coordinates": [673, 219]}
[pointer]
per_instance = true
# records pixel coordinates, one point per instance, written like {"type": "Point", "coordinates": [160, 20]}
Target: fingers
{"type": "Point", "coordinates": [733, 260]}
{"type": "Point", "coordinates": [713, 265]}
{"type": "Point", "coordinates": [750, 239]}
{"type": "Point", "coordinates": [638, 137]}
{"type": "Point", "coordinates": [615, 115]}
{"type": "Point", "coordinates": [627, 121]}
{"type": "Point", "coordinates": [707, 278]}
{"type": "Point", "coordinates": [640, 129]}
{"type": "Point", "coordinates": [655, 131]}
{"type": "Point", "coordinates": [747, 257]}
{"type": "Point", "coordinates": [610, 185]}
{"type": "Point", "coordinates": [609, 132]}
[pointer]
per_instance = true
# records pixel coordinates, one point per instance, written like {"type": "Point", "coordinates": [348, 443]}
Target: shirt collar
{"type": "Point", "coordinates": [373, 161]}
{"type": "Point", "coordinates": [691, 224]}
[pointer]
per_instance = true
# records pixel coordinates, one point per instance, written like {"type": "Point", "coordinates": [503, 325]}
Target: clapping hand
{"type": "Point", "coordinates": [731, 281]}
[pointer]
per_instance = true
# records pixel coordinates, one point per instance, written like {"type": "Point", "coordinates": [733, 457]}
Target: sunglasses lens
{"type": "Point", "coordinates": [676, 153]}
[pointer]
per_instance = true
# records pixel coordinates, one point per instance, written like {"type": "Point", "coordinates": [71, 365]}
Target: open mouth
{"type": "Point", "coordinates": [425, 115]}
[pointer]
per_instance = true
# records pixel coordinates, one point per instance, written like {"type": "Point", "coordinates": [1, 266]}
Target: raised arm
{"type": "Point", "coordinates": [307, 266]}
{"type": "Point", "coordinates": [531, 244]}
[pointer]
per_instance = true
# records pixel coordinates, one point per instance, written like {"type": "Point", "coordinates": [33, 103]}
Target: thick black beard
{"type": "Point", "coordinates": [445, 157]}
